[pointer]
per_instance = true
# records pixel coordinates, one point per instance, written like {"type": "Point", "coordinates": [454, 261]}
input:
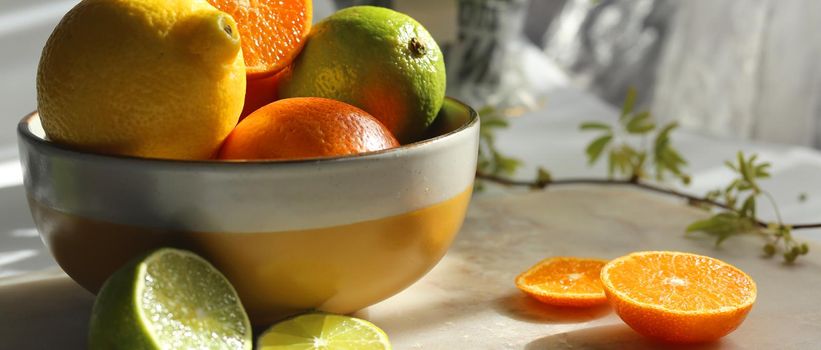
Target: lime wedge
{"type": "Point", "coordinates": [324, 331]}
{"type": "Point", "coordinates": [169, 299]}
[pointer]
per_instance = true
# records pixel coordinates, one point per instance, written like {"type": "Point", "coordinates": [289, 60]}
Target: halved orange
{"type": "Point", "coordinates": [272, 32]}
{"type": "Point", "coordinates": [678, 297]}
{"type": "Point", "coordinates": [564, 281]}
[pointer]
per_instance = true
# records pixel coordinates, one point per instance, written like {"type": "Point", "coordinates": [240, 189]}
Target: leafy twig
{"type": "Point", "coordinates": [491, 161]}
{"type": "Point", "coordinates": [691, 199]}
{"type": "Point", "coordinates": [628, 165]}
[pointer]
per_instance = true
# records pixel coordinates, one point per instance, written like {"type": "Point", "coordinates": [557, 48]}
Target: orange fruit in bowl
{"type": "Point", "coordinates": [678, 297]}
{"type": "Point", "coordinates": [564, 281]}
{"type": "Point", "coordinates": [258, 93]}
{"type": "Point", "coordinates": [306, 127]}
{"type": "Point", "coordinates": [376, 59]}
{"type": "Point", "coordinates": [272, 32]}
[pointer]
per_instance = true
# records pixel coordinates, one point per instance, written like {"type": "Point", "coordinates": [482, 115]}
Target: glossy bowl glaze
{"type": "Point", "coordinates": [334, 234]}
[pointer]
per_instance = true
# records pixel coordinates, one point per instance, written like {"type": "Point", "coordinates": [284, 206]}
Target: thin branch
{"type": "Point", "coordinates": [775, 206]}
{"type": "Point", "coordinates": [631, 182]}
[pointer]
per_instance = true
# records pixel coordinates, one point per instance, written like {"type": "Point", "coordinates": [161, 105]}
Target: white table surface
{"type": "Point", "coordinates": [546, 137]}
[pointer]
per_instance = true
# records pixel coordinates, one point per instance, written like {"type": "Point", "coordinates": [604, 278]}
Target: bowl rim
{"type": "Point", "coordinates": [24, 132]}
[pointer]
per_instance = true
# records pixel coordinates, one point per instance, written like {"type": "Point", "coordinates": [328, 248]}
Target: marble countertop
{"type": "Point", "coordinates": [469, 300]}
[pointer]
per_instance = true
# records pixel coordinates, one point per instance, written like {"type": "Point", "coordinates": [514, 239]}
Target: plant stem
{"type": "Point", "coordinates": [775, 207]}
{"type": "Point", "coordinates": [635, 182]}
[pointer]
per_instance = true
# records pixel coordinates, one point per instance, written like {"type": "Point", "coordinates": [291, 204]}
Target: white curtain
{"type": "Point", "coordinates": [731, 68]}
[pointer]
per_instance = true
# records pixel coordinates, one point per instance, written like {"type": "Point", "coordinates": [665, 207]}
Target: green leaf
{"type": "Point", "coordinates": [730, 165]}
{"type": "Point", "coordinates": [629, 102]}
{"type": "Point", "coordinates": [594, 126]}
{"type": "Point", "coordinates": [708, 224]}
{"type": "Point", "coordinates": [543, 176]}
{"type": "Point", "coordinates": [641, 123]}
{"type": "Point", "coordinates": [665, 157]}
{"type": "Point", "coordinates": [506, 165]}
{"type": "Point", "coordinates": [611, 163]}
{"type": "Point", "coordinates": [494, 123]}
{"type": "Point", "coordinates": [744, 186]}
{"type": "Point", "coordinates": [675, 156]}
{"type": "Point", "coordinates": [487, 111]}
{"type": "Point", "coordinates": [638, 165]}
{"type": "Point", "coordinates": [733, 185]}
{"type": "Point", "coordinates": [622, 159]}
{"type": "Point", "coordinates": [596, 147]}
{"type": "Point", "coordinates": [761, 170]}
{"type": "Point", "coordinates": [663, 139]}
{"type": "Point", "coordinates": [722, 225]}
{"type": "Point", "coordinates": [743, 169]}
{"type": "Point", "coordinates": [478, 186]}
{"type": "Point", "coordinates": [748, 207]}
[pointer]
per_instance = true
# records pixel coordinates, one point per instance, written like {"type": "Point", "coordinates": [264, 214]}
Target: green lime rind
{"type": "Point", "coordinates": [377, 59]}
{"type": "Point", "coordinates": [324, 331]}
{"type": "Point", "coordinates": [169, 299]}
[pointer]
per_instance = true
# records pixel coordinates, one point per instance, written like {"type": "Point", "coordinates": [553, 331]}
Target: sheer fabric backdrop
{"type": "Point", "coordinates": [732, 68]}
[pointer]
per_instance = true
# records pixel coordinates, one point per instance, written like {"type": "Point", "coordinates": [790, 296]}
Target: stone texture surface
{"type": "Point", "coordinates": [469, 301]}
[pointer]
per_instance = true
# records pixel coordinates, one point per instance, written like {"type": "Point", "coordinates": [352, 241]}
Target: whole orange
{"type": "Point", "coordinates": [306, 127]}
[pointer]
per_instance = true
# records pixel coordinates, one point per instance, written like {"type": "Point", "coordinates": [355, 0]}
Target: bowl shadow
{"type": "Point", "coordinates": [524, 308]}
{"type": "Point", "coordinates": [48, 313]}
{"type": "Point", "coordinates": [610, 337]}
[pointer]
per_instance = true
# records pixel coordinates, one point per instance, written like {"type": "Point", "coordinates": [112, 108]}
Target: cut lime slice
{"type": "Point", "coordinates": [169, 299]}
{"type": "Point", "coordinates": [324, 331]}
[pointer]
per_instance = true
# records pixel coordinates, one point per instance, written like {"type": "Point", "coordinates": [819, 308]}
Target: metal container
{"type": "Point", "coordinates": [334, 234]}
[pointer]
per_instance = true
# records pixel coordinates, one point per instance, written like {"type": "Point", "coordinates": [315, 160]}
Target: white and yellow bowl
{"type": "Point", "coordinates": [334, 234]}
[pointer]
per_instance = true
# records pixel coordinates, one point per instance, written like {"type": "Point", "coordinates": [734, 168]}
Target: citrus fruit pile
{"type": "Point", "coordinates": [175, 79]}
{"type": "Point", "coordinates": [670, 296]}
{"type": "Point", "coordinates": [230, 80]}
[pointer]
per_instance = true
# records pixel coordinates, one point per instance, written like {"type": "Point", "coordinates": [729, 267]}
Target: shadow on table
{"type": "Point", "coordinates": [48, 313]}
{"type": "Point", "coordinates": [524, 308]}
{"type": "Point", "coordinates": [612, 337]}
{"type": "Point", "coordinates": [21, 248]}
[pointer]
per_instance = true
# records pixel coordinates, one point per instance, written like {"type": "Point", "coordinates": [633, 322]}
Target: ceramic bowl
{"type": "Point", "coordinates": [333, 234]}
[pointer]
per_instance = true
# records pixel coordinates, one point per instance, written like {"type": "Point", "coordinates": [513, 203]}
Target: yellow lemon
{"type": "Point", "coordinates": [146, 78]}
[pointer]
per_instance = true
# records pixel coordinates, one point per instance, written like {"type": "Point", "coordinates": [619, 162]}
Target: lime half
{"type": "Point", "coordinates": [169, 299]}
{"type": "Point", "coordinates": [324, 331]}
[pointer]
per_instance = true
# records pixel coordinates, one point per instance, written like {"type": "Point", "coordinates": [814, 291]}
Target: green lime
{"type": "Point", "coordinates": [377, 59]}
{"type": "Point", "coordinates": [325, 332]}
{"type": "Point", "coordinates": [168, 299]}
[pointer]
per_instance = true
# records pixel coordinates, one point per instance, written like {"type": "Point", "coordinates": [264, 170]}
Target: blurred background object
{"type": "Point", "coordinates": [743, 69]}
{"type": "Point", "coordinates": [733, 68]}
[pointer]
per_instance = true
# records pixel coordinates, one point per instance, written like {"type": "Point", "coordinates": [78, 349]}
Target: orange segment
{"type": "Point", "coordinates": [678, 297]}
{"type": "Point", "coordinates": [272, 32]}
{"type": "Point", "coordinates": [564, 281]}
